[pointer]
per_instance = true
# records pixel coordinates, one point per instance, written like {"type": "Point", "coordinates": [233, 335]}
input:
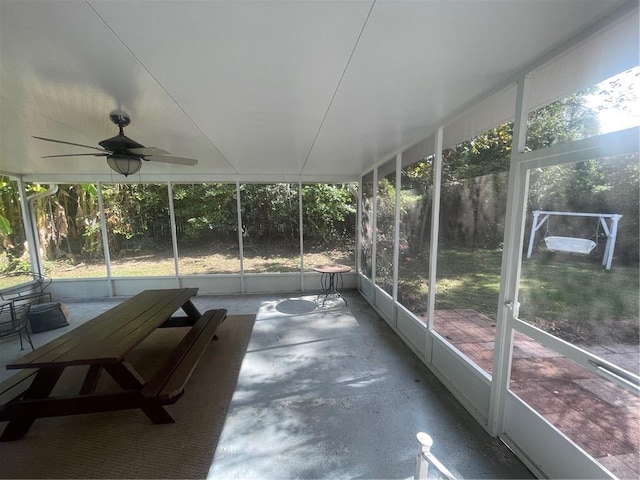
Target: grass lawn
{"type": "Point", "coordinates": [569, 296]}
{"type": "Point", "coordinates": [198, 262]}
{"type": "Point", "coordinates": [579, 301]}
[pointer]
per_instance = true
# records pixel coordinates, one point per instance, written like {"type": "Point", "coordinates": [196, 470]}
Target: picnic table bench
{"type": "Point", "coordinates": [104, 343]}
{"type": "Point", "coordinates": [13, 387]}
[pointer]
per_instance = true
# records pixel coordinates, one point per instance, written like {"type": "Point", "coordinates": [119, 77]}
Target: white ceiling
{"type": "Point", "coordinates": [261, 90]}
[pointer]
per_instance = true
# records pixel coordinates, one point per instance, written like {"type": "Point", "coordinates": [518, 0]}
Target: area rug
{"type": "Point", "coordinates": [126, 444]}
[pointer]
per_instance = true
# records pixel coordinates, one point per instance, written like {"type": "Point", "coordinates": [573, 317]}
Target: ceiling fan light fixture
{"type": "Point", "coordinates": [124, 165]}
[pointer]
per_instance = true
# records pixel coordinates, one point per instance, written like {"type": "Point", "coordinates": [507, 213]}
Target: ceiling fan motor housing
{"type": "Point", "coordinates": [120, 118]}
{"type": "Point", "coordinates": [120, 144]}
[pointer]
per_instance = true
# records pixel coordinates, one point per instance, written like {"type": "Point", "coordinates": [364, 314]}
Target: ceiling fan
{"type": "Point", "coordinates": [123, 154]}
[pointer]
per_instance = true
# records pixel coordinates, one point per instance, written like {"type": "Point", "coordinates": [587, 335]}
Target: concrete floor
{"type": "Point", "coordinates": [329, 393]}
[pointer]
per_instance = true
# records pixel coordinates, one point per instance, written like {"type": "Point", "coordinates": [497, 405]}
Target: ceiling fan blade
{"type": "Point", "coordinates": [69, 143]}
{"type": "Point", "coordinates": [148, 151]}
{"type": "Point", "coordinates": [103, 154]}
{"type": "Point", "coordinates": [167, 159]}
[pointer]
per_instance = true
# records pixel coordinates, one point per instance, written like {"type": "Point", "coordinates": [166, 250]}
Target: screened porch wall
{"type": "Point", "coordinates": [583, 62]}
{"type": "Point", "coordinates": [228, 252]}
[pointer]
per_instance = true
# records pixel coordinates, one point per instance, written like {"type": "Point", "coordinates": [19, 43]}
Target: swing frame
{"type": "Point", "coordinates": [580, 245]}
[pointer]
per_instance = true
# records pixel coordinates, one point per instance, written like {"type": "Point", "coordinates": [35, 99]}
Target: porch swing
{"type": "Point", "coordinates": [577, 245]}
{"type": "Point", "coordinates": [580, 246]}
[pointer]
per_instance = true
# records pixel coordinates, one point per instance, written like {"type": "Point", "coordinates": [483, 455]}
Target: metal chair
{"type": "Point", "coordinates": [13, 321]}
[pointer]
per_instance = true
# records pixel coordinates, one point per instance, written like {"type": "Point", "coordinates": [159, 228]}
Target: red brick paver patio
{"type": "Point", "coordinates": [599, 416]}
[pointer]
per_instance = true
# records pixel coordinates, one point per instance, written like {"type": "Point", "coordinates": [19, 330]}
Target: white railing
{"type": "Point", "coordinates": [426, 458]}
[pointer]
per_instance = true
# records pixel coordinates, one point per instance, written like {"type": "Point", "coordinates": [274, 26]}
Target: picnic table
{"type": "Point", "coordinates": [104, 344]}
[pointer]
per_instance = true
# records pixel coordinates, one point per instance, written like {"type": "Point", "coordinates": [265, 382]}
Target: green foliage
{"type": "Point", "coordinates": [12, 236]}
{"type": "Point", "coordinates": [137, 216]}
{"type": "Point", "coordinates": [486, 153]}
{"type": "Point", "coordinates": [562, 121]}
{"type": "Point", "coordinates": [205, 211]}
{"type": "Point", "coordinates": [269, 211]}
{"type": "Point", "coordinates": [329, 213]}
{"type": "Point", "coordinates": [92, 246]}
{"type": "Point", "coordinates": [90, 188]}
{"type": "Point", "coordinates": [5, 226]}
{"type": "Point", "coordinates": [385, 220]}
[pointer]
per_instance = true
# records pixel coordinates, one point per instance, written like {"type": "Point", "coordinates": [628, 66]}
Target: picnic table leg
{"type": "Point", "coordinates": [156, 412]}
{"type": "Point", "coordinates": [91, 380]}
{"type": "Point", "coordinates": [125, 375]}
{"type": "Point", "coordinates": [193, 315]}
{"type": "Point", "coordinates": [191, 310]}
{"type": "Point", "coordinates": [42, 385]}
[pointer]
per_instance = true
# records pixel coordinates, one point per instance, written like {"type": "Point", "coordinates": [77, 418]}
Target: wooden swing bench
{"type": "Point", "coordinates": [582, 246]}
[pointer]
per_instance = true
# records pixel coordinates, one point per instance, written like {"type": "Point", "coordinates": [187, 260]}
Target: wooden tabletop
{"type": "Point", "coordinates": [332, 268]}
{"type": "Point", "coordinates": [110, 336]}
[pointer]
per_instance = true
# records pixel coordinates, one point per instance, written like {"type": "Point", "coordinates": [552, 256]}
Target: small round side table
{"type": "Point", "coordinates": [331, 280]}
